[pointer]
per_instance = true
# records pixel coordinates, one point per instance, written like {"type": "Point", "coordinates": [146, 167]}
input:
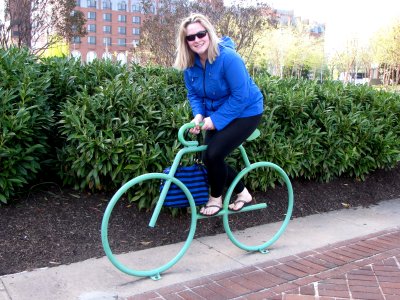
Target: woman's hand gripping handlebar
{"type": "Point", "coordinates": [181, 134]}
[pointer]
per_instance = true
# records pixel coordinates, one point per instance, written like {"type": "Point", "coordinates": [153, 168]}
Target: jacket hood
{"type": "Point", "coordinates": [226, 41]}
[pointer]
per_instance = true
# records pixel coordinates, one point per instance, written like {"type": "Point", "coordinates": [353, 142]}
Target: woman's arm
{"type": "Point", "coordinates": [238, 80]}
{"type": "Point", "coordinates": [196, 102]}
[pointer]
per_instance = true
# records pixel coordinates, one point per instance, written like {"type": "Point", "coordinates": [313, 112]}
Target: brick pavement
{"type": "Point", "coordinates": [366, 267]}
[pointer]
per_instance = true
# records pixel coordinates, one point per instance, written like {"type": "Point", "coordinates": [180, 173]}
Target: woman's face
{"type": "Point", "coordinates": [198, 45]}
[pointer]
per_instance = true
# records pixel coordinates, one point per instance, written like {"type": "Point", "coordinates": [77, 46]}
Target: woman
{"type": "Point", "coordinates": [223, 96]}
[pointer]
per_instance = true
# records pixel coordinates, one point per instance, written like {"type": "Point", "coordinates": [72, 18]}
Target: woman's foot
{"type": "Point", "coordinates": [212, 207]}
{"type": "Point", "coordinates": [243, 199]}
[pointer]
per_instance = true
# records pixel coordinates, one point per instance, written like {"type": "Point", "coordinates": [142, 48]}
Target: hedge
{"type": "Point", "coordinates": [112, 123]}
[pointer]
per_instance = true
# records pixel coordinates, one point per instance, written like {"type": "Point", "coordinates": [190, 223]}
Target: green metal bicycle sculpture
{"type": "Point", "coordinates": [191, 147]}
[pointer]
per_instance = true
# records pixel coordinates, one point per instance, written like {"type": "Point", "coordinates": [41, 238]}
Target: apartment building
{"type": "Point", "coordinates": [113, 28]}
{"type": "Point", "coordinates": [288, 18]}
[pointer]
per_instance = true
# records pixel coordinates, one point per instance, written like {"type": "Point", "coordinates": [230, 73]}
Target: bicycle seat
{"type": "Point", "coordinates": [256, 133]}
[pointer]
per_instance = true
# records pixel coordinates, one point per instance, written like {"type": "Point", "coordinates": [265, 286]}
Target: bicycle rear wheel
{"type": "Point", "coordinates": [121, 262]}
{"type": "Point", "coordinates": [288, 213]}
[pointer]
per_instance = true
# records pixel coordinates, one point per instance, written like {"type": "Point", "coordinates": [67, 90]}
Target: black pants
{"type": "Point", "coordinates": [220, 145]}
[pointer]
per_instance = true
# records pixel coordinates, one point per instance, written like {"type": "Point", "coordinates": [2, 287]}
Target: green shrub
{"type": "Point", "coordinates": [127, 127]}
{"type": "Point", "coordinates": [25, 120]}
{"type": "Point", "coordinates": [321, 131]}
{"type": "Point", "coordinates": [113, 123]}
{"type": "Point", "coordinates": [68, 78]}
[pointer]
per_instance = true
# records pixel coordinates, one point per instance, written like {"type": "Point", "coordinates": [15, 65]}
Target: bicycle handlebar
{"type": "Point", "coordinates": [181, 133]}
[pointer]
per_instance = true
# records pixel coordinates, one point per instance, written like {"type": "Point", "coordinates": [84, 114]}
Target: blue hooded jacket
{"type": "Point", "coordinates": [224, 89]}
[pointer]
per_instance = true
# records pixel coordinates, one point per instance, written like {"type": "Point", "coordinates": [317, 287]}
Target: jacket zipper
{"type": "Point", "coordinates": [204, 88]}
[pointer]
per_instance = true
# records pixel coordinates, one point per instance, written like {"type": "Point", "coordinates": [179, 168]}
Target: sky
{"type": "Point", "coordinates": [344, 19]}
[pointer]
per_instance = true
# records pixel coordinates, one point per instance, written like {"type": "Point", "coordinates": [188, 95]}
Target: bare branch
{"type": "Point", "coordinates": [159, 30]}
{"type": "Point", "coordinates": [38, 24]}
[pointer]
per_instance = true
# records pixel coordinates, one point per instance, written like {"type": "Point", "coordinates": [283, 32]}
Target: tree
{"type": "Point", "coordinates": [291, 51]}
{"type": "Point", "coordinates": [243, 24]}
{"type": "Point", "coordinates": [386, 53]}
{"type": "Point", "coordinates": [354, 58]}
{"type": "Point", "coordinates": [273, 49]}
{"type": "Point", "coordinates": [158, 33]}
{"type": "Point", "coordinates": [36, 23]}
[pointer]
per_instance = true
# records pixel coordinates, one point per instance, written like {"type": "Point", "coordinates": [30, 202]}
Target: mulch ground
{"type": "Point", "coordinates": [51, 225]}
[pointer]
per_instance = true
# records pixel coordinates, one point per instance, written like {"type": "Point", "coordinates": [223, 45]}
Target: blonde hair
{"type": "Point", "coordinates": [185, 57]}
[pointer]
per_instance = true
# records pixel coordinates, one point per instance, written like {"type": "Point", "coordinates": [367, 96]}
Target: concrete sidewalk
{"type": "Point", "coordinates": [215, 258]}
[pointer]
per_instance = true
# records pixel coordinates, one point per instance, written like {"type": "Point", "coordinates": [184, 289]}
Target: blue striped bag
{"type": "Point", "coordinates": [195, 179]}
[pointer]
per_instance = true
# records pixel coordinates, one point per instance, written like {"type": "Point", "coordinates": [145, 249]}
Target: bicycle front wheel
{"type": "Point", "coordinates": [116, 229]}
{"type": "Point", "coordinates": [286, 211]}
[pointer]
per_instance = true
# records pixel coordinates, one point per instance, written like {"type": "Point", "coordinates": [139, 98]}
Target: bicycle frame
{"type": "Point", "coordinates": [190, 147]}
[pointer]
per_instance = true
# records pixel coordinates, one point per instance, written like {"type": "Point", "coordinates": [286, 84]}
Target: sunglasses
{"type": "Point", "coordinates": [200, 35]}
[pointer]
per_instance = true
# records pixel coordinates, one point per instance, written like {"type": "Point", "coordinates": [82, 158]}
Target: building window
{"type": "Point", "coordinates": [107, 29]}
{"type": "Point", "coordinates": [76, 54]}
{"type": "Point", "coordinates": [90, 56]}
{"type": "Point", "coordinates": [91, 3]}
{"type": "Point", "coordinates": [78, 3]}
{"type": "Point", "coordinates": [122, 18]}
{"type": "Point", "coordinates": [107, 17]}
{"type": "Point", "coordinates": [152, 8]}
{"type": "Point", "coordinates": [121, 29]}
{"type": "Point", "coordinates": [91, 15]}
{"type": "Point", "coordinates": [121, 57]}
{"type": "Point", "coordinates": [107, 5]}
{"type": "Point", "coordinates": [136, 20]}
{"type": "Point", "coordinates": [107, 41]}
{"type": "Point", "coordinates": [107, 56]}
{"type": "Point", "coordinates": [135, 43]}
{"type": "Point", "coordinates": [91, 40]}
{"type": "Point", "coordinates": [136, 7]}
{"type": "Point", "coordinates": [135, 31]}
{"type": "Point", "coordinates": [122, 5]}
{"type": "Point", "coordinates": [35, 24]}
{"type": "Point", "coordinates": [91, 28]}
{"type": "Point", "coordinates": [121, 42]}
{"type": "Point", "coordinates": [76, 40]}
